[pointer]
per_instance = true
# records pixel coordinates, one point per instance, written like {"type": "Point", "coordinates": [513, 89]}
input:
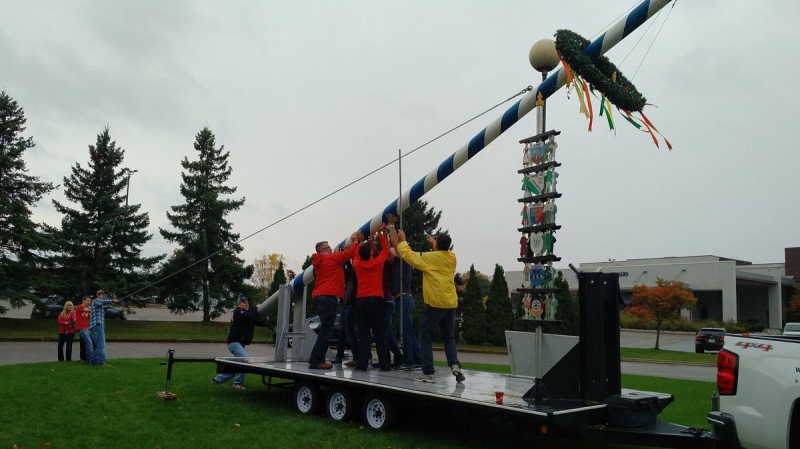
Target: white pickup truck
{"type": "Point", "coordinates": [758, 379]}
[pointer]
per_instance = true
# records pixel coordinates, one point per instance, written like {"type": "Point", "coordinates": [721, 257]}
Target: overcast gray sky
{"type": "Point", "coordinates": [308, 96]}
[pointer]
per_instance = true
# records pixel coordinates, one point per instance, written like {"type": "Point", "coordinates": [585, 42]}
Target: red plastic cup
{"type": "Point", "coordinates": [498, 397]}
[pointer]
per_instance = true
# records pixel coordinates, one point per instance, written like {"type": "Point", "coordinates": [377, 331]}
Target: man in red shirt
{"type": "Point", "coordinates": [82, 313]}
{"type": "Point", "coordinates": [370, 302]}
{"type": "Point", "coordinates": [328, 290]}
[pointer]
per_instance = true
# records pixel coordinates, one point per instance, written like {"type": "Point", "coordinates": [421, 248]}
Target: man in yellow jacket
{"type": "Point", "coordinates": [438, 269]}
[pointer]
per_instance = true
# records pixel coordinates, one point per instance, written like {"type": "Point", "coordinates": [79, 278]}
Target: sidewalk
{"type": "Point", "coordinates": [15, 352]}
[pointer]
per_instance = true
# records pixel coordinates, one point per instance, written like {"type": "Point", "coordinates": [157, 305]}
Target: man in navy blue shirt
{"type": "Point", "coordinates": [239, 336]}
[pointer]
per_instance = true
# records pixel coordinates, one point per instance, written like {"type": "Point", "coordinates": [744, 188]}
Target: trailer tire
{"type": "Point", "coordinates": [378, 412]}
{"type": "Point", "coordinates": [307, 398]}
{"type": "Point", "coordinates": [339, 405]}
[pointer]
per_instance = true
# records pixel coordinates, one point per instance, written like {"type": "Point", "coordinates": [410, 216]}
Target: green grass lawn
{"type": "Point", "coordinates": [127, 330]}
{"type": "Point", "coordinates": [71, 405]}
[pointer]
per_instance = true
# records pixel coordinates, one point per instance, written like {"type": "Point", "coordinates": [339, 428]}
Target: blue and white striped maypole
{"type": "Point", "coordinates": [555, 81]}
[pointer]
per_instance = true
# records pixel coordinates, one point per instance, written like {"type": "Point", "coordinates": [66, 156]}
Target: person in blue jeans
{"type": "Point", "coordinates": [401, 275]}
{"type": "Point", "coordinates": [240, 335]}
{"type": "Point", "coordinates": [438, 269]}
{"type": "Point", "coordinates": [97, 324]}
{"type": "Point", "coordinates": [392, 346]}
{"type": "Point", "coordinates": [347, 329]}
{"type": "Point", "coordinates": [328, 289]}
{"type": "Point", "coordinates": [83, 311]}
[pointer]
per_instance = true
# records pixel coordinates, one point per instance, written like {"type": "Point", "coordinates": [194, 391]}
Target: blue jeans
{"type": "Point", "coordinates": [391, 341]}
{"type": "Point", "coordinates": [411, 355]}
{"type": "Point", "coordinates": [349, 328]}
{"type": "Point", "coordinates": [326, 308]}
{"type": "Point", "coordinates": [446, 320]}
{"type": "Point", "coordinates": [86, 344]}
{"type": "Point", "coordinates": [237, 350]}
{"type": "Point", "coordinates": [99, 343]}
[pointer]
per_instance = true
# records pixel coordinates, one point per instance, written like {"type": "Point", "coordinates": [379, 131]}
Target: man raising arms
{"type": "Point", "coordinates": [438, 269]}
{"type": "Point", "coordinates": [328, 290]}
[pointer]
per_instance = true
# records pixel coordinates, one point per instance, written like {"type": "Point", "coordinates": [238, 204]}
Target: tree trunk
{"type": "Point", "coordinates": [658, 332]}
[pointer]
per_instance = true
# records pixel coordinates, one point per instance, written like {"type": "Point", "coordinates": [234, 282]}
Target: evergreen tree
{"type": "Point", "coordinates": [567, 310]}
{"type": "Point", "coordinates": [418, 219]}
{"type": "Point", "coordinates": [473, 311]}
{"type": "Point", "coordinates": [21, 240]}
{"type": "Point", "coordinates": [100, 242]}
{"type": "Point", "coordinates": [310, 310]}
{"type": "Point", "coordinates": [499, 315]}
{"type": "Point", "coordinates": [205, 270]}
{"type": "Point", "coordinates": [278, 279]}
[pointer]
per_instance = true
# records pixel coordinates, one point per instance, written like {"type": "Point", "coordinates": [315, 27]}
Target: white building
{"type": "Point", "coordinates": [726, 289]}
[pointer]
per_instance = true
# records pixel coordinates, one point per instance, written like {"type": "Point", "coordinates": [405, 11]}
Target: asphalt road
{"type": "Point", "coordinates": [32, 352]}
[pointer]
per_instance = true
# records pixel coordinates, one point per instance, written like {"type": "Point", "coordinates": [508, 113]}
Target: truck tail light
{"type": "Point", "coordinates": [727, 372]}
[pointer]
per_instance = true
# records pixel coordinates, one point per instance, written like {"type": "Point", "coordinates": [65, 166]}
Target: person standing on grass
{"type": "Point", "coordinates": [438, 269]}
{"type": "Point", "coordinates": [82, 313]}
{"type": "Point", "coordinates": [97, 324]}
{"type": "Point", "coordinates": [240, 335]}
{"type": "Point", "coordinates": [328, 290]}
{"type": "Point", "coordinates": [66, 330]}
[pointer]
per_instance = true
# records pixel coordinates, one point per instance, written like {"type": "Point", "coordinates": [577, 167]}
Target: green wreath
{"type": "Point", "coordinates": [622, 93]}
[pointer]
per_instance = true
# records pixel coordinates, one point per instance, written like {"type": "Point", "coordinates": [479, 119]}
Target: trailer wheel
{"type": "Point", "coordinates": [378, 412]}
{"type": "Point", "coordinates": [339, 406]}
{"type": "Point", "coordinates": [307, 398]}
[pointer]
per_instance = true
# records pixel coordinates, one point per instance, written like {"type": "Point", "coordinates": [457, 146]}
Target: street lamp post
{"type": "Point", "coordinates": [128, 184]}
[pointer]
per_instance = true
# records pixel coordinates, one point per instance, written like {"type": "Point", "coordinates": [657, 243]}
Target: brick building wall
{"type": "Point", "coordinates": [792, 259]}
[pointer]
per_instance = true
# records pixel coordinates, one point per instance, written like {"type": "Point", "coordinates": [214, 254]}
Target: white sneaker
{"type": "Point", "coordinates": [425, 378]}
{"type": "Point", "coordinates": [456, 370]}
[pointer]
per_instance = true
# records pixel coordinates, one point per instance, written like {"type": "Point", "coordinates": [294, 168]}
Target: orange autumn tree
{"type": "Point", "coordinates": [792, 313]}
{"type": "Point", "coordinates": [661, 302]}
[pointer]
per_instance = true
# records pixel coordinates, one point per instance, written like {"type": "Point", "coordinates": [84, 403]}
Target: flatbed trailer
{"type": "Point", "coordinates": [379, 397]}
{"type": "Point", "coordinates": [579, 397]}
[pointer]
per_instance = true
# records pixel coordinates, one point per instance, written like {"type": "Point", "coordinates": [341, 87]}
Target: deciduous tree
{"type": "Point", "coordinates": [661, 302]}
{"type": "Point", "coordinates": [793, 311]}
{"type": "Point", "coordinates": [264, 269]}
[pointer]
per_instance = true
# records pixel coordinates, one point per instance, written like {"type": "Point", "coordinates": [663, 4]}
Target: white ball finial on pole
{"type": "Point", "coordinates": [543, 56]}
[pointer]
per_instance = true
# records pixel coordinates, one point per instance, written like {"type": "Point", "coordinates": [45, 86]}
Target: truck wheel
{"type": "Point", "coordinates": [378, 412]}
{"type": "Point", "coordinates": [307, 398]}
{"type": "Point", "coordinates": [339, 406]}
{"type": "Point", "coordinates": [698, 350]}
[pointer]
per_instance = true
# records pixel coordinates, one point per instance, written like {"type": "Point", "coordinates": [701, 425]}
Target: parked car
{"type": "Point", "coordinates": [314, 323]}
{"type": "Point", "coordinates": [53, 305]}
{"type": "Point", "coordinates": [709, 339]}
{"type": "Point", "coordinates": [791, 329]}
{"type": "Point", "coordinates": [50, 308]}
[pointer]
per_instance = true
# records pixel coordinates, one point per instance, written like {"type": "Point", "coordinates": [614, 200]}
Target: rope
{"type": "Point", "coordinates": [328, 195]}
